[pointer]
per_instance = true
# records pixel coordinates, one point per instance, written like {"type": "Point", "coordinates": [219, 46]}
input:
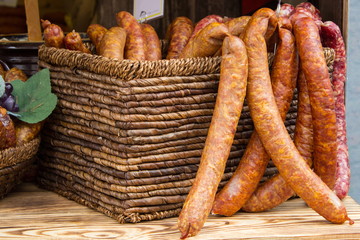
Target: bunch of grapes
{"type": "Point", "coordinates": [7, 100]}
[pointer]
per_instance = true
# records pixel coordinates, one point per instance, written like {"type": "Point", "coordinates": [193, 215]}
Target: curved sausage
{"type": "Point", "coordinates": [237, 25]}
{"type": "Point", "coordinates": [228, 106]}
{"type": "Point", "coordinates": [113, 43]}
{"type": "Point", "coordinates": [152, 43]}
{"type": "Point", "coordinates": [178, 34]}
{"type": "Point", "coordinates": [286, 10]}
{"type": "Point", "coordinates": [207, 42]}
{"type": "Point", "coordinates": [276, 139]}
{"type": "Point", "coordinates": [206, 21]}
{"type": "Point", "coordinates": [135, 41]}
{"type": "Point", "coordinates": [96, 32]}
{"type": "Point", "coordinates": [321, 98]}
{"type": "Point", "coordinates": [73, 41]}
{"type": "Point", "coordinates": [254, 161]}
{"type": "Point", "coordinates": [331, 37]}
{"type": "Point", "coordinates": [53, 34]}
{"type": "Point", "coordinates": [275, 190]}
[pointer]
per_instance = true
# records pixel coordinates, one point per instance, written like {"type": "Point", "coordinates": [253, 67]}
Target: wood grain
{"type": "Point", "coordinates": [33, 213]}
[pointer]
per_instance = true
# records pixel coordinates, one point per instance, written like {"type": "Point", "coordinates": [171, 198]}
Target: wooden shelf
{"type": "Point", "coordinates": [33, 213]}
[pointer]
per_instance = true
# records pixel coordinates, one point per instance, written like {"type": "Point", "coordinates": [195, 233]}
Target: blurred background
{"type": "Point", "coordinates": [78, 14]}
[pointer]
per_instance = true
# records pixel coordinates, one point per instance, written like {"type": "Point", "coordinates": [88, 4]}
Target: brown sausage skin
{"type": "Point", "coordinates": [207, 42]}
{"type": "Point", "coordinates": [96, 32]}
{"type": "Point", "coordinates": [152, 42]}
{"type": "Point", "coordinates": [276, 139]}
{"type": "Point", "coordinates": [179, 34]}
{"type": "Point", "coordinates": [237, 25]}
{"type": "Point", "coordinates": [206, 21]}
{"type": "Point", "coordinates": [53, 35]}
{"type": "Point", "coordinates": [73, 41]}
{"type": "Point", "coordinates": [7, 130]}
{"type": "Point", "coordinates": [14, 74]}
{"type": "Point", "coordinates": [113, 43]}
{"type": "Point", "coordinates": [331, 37]}
{"type": "Point", "coordinates": [228, 106]}
{"type": "Point", "coordinates": [275, 190]}
{"type": "Point", "coordinates": [321, 97]}
{"type": "Point", "coordinates": [254, 161]}
{"type": "Point", "coordinates": [25, 132]}
{"type": "Point", "coordinates": [135, 41]}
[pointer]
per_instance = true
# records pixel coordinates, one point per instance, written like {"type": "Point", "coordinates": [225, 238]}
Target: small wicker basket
{"type": "Point", "coordinates": [126, 137]}
{"type": "Point", "coordinates": [14, 162]}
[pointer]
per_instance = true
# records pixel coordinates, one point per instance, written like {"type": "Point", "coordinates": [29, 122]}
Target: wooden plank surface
{"type": "Point", "coordinates": [33, 213]}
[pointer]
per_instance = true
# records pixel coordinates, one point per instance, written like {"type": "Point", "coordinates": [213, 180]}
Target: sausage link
{"type": "Point", "coordinates": [179, 34]}
{"type": "Point", "coordinates": [135, 41]}
{"type": "Point", "coordinates": [53, 34]}
{"type": "Point", "coordinates": [237, 25]}
{"type": "Point", "coordinates": [206, 21]}
{"type": "Point", "coordinates": [96, 32]}
{"type": "Point", "coordinates": [276, 139]}
{"type": "Point", "coordinates": [73, 41]}
{"type": "Point", "coordinates": [207, 42]}
{"type": "Point", "coordinates": [275, 190]}
{"type": "Point", "coordinates": [321, 97]}
{"type": "Point", "coordinates": [331, 37]}
{"type": "Point", "coordinates": [286, 10]}
{"type": "Point", "coordinates": [152, 43]}
{"type": "Point", "coordinates": [254, 161]}
{"type": "Point", "coordinates": [7, 130]}
{"type": "Point", "coordinates": [228, 106]}
{"type": "Point", "coordinates": [14, 74]}
{"type": "Point", "coordinates": [113, 43]}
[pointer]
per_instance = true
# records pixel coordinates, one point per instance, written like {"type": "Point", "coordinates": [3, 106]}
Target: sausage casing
{"type": "Point", "coordinates": [228, 106]}
{"type": "Point", "coordinates": [276, 139]}
{"type": "Point", "coordinates": [206, 42]}
{"type": "Point", "coordinates": [113, 43]}
{"type": "Point", "coordinates": [135, 41]}
{"type": "Point", "coordinates": [96, 32]}
{"type": "Point", "coordinates": [73, 41]}
{"type": "Point", "coordinates": [331, 37]}
{"type": "Point", "coordinates": [178, 34]}
{"type": "Point", "coordinates": [152, 43]}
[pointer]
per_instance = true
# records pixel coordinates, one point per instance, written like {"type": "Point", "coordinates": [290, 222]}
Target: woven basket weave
{"type": "Point", "coordinates": [14, 162]}
{"type": "Point", "coordinates": [126, 137]}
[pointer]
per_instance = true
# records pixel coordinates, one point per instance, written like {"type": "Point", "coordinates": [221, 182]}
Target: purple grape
{"type": "Point", "coordinates": [15, 108]}
{"type": "Point", "coordinates": [4, 97]}
{"type": "Point", "coordinates": [9, 103]}
{"type": "Point", "coordinates": [8, 88]}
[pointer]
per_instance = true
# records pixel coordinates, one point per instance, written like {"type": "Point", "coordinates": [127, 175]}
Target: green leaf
{"type": "Point", "coordinates": [34, 97]}
{"type": "Point", "coordinates": [2, 86]}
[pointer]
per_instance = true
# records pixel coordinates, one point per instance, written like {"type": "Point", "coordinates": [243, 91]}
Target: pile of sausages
{"type": "Point", "coordinates": [314, 165]}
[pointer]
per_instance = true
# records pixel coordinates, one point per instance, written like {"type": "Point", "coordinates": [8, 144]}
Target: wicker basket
{"type": "Point", "coordinates": [14, 162]}
{"type": "Point", "coordinates": [126, 137]}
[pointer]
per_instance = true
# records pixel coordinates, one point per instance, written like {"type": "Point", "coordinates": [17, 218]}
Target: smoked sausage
{"type": "Point", "coordinates": [73, 41]}
{"type": "Point", "coordinates": [96, 32]}
{"type": "Point", "coordinates": [113, 43]}
{"type": "Point", "coordinates": [275, 190]}
{"type": "Point", "coordinates": [152, 43]}
{"type": "Point", "coordinates": [254, 161]}
{"type": "Point", "coordinates": [331, 37]}
{"type": "Point", "coordinates": [206, 21]}
{"type": "Point", "coordinates": [207, 42]}
{"type": "Point", "coordinates": [228, 106]}
{"type": "Point", "coordinates": [321, 98]}
{"type": "Point", "coordinates": [7, 130]}
{"type": "Point", "coordinates": [53, 34]}
{"type": "Point", "coordinates": [135, 41]}
{"type": "Point", "coordinates": [14, 74]}
{"type": "Point", "coordinates": [178, 34]}
{"type": "Point", "coordinates": [276, 139]}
